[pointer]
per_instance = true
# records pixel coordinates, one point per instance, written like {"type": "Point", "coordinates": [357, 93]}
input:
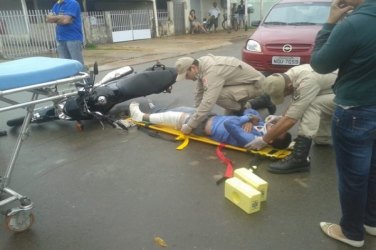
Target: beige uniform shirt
{"type": "Point", "coordinates": [308, 85]}
{"type": "Point", "coordinates": [216, 73]}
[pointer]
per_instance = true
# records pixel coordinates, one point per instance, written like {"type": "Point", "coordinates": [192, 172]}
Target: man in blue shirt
{"type": "Point", "coordinates": [67, 16]}
{"type": "Point", "coordinates": [234, 130]}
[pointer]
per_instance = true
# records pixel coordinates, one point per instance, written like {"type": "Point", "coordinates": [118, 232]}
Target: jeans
{"type": "Point", "coordinates": [354, 139]}
{"type": "Point", "coordinates": [70, 50]}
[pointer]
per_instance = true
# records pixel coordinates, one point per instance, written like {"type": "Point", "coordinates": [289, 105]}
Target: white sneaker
{"type": "Point", "coordinates": [135, 111]}
{"type": "Point", "coordinates": [334, 231]}
{"type": "Point", "coordinates": [370, 230]}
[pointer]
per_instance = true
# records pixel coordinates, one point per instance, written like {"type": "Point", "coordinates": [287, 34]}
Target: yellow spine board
{"type": "Point", "coordinates": [267, 151]}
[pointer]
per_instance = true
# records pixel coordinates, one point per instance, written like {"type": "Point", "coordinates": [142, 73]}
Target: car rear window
{"type": "Point", "coordinates": [308, 13]}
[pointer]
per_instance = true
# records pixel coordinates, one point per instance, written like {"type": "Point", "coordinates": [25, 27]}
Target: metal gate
{"type": "Point", "coordinates": [179, 18]}
{"type": "Point", "coordinates": [128, 25]}
{"type": "Point", "coordinates": [25, 35]}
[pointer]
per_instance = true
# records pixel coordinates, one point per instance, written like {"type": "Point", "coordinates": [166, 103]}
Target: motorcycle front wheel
{"type": "Point", "coordinates": [15, 122]}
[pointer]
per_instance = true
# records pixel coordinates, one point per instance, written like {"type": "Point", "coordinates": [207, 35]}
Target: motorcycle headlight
{"type": "Point", "coordinates": [253, 46]}
{"type": "Point", "coordinates": [102, 100]}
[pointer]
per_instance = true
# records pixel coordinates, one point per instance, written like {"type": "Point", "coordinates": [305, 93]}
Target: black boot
{"type": "Point", "coordinates": [297, 161]}
{"type": "Point", "coordinates": [263, 102]}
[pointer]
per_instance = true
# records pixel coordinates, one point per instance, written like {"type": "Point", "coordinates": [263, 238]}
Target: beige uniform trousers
{"type": "Point", "coordinates": [233, 98]}
{"type": "Point", "coordinates": [316, 120]}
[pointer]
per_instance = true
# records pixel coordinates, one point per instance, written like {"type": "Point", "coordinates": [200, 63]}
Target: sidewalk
{"type": "Point", "coordinates": [111, 56]}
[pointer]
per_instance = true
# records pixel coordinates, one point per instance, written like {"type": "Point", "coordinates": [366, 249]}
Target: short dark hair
{"type": "Point", "coordinates": [282, 142]}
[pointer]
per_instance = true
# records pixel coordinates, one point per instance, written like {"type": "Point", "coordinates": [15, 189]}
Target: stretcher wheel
{"type": "Point", "coordinates": [20, 221]}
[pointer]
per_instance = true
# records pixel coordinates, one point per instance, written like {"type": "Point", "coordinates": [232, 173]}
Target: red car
{"type": "Point", "coordinates": [285, 37]}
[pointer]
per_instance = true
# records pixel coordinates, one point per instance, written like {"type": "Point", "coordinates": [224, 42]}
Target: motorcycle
{"type": "Point", "coordinates": [95, 100]}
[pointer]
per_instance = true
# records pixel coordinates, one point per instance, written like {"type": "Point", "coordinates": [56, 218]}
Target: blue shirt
{"type": "Point", "coordinates": [228, 129]}
{"type": "Point", "coordinates": [72, 31]}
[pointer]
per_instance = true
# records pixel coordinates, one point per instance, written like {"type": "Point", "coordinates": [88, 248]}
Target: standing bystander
{"type": "Point", "coordinates": [241, 14]}
{"type": "Point", "coordinates": [214, 14]}
{"type": "Point", "coordinates": [67, 16]}
{"type": "Point", "coordinates": [348, 42]}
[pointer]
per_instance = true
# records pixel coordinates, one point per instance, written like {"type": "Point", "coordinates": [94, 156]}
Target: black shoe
{"type": "Point", "coordinates": [271, 109]}
{"type": "Point", "coordinates": [290, 165]}
{"type": "Point", "coordinates": [262, 102]}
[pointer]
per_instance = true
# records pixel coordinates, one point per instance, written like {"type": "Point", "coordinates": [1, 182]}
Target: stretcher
{"type": "Point", "coordinates": [268, 151]}
{"type": "Point", "coordinates": [44, 80]}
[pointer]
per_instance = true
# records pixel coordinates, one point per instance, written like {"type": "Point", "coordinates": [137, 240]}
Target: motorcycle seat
{"type": "Point", "coordinates": [34, 70]}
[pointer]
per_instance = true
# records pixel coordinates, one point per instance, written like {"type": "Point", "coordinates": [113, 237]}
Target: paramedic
{"type": "Point", "coordinates": [226, 81]}
{"type": "Point", "coordinates": [311, 104]}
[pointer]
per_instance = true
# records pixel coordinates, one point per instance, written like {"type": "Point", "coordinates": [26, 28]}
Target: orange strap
{"type": "Point", "coordinates": [229, 169]}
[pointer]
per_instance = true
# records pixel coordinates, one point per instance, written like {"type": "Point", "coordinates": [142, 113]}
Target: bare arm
{"type": "Point", "coordinates": [282, 126]}
{"type": "Point", "coordinates": [59, 19]}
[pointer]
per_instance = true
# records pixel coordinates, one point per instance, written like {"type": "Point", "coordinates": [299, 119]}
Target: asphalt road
{"type": "Point", "coordinates": [111, 189]}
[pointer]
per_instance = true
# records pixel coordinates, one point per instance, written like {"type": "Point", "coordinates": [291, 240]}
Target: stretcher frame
{"type": "Point", "coordinates": [20, 218]}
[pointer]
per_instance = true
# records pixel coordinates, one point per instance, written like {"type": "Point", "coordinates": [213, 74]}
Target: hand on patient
{"type": "Point", "coordinates": [186, 129]}
{"type": "Point", "coordinates": [272, 119]}
{"type": "Point", "coordinates": [247, 127]}
{"type": "Point", "coordinates": [256, 144]}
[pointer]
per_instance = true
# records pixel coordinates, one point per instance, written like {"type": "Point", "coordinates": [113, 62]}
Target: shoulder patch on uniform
{"type": "Point", "coordinates": [296, 95]}
{"type": "Point", "coordinates": [205, 83]}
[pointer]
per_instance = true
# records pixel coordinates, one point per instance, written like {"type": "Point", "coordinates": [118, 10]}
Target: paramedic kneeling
{"type": "Point", "coordinates": [311, 104]}
{"type": "Point", "coordinates": [222, 80]}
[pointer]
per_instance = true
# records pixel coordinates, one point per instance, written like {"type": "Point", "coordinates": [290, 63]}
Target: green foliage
{"type": "Point", "coordinates": [90, 46]}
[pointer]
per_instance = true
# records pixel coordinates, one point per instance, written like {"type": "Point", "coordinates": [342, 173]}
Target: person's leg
{"type": "Point", "coordinates": [75, 51]}
{"type": "Point", "coordinates": [234, 98]}
{"type": "Point", "coordinates": [316, 120]}
{"type": "Point", "coordinates": [354, 140]}
{"type": "Point", "coordinates": [62, 50]}
{"type": "Point", "coordinates": [228, 101]}
{"type": "Point", "coordinates": [323, 136]}
{"type": "Point", "coordinates": [370, 219]}
{"type": "Point", "coordinates": [203, 28]}
{"type": "Point", "coordinates": [215, 24]}
{"type": "Point", "coordinates": [169, 118]}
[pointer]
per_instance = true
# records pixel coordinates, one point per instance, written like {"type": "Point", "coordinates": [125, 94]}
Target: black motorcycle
{"type": "Point", "coordinates": [95, 100]}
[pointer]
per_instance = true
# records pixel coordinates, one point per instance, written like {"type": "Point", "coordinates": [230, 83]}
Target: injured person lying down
{"type": "Point", "coordinates": [233, 130]}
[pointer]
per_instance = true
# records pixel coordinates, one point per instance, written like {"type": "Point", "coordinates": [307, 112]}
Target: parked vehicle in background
{"type": "Point", "coordinates": [285, 37]}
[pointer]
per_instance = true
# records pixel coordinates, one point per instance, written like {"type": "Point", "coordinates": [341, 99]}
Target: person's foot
{"type": "Point", "coordinates": [290, 165]}
{"type": "Point", "coordinates": [370, 230]}
{"type": "Point", "coordinates": [334, 231]}
{"type": "Point", "coordinates": [135, 112]}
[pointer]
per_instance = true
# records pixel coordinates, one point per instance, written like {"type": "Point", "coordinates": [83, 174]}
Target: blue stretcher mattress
{"type": "Point", "coordinates": [35, 70]}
